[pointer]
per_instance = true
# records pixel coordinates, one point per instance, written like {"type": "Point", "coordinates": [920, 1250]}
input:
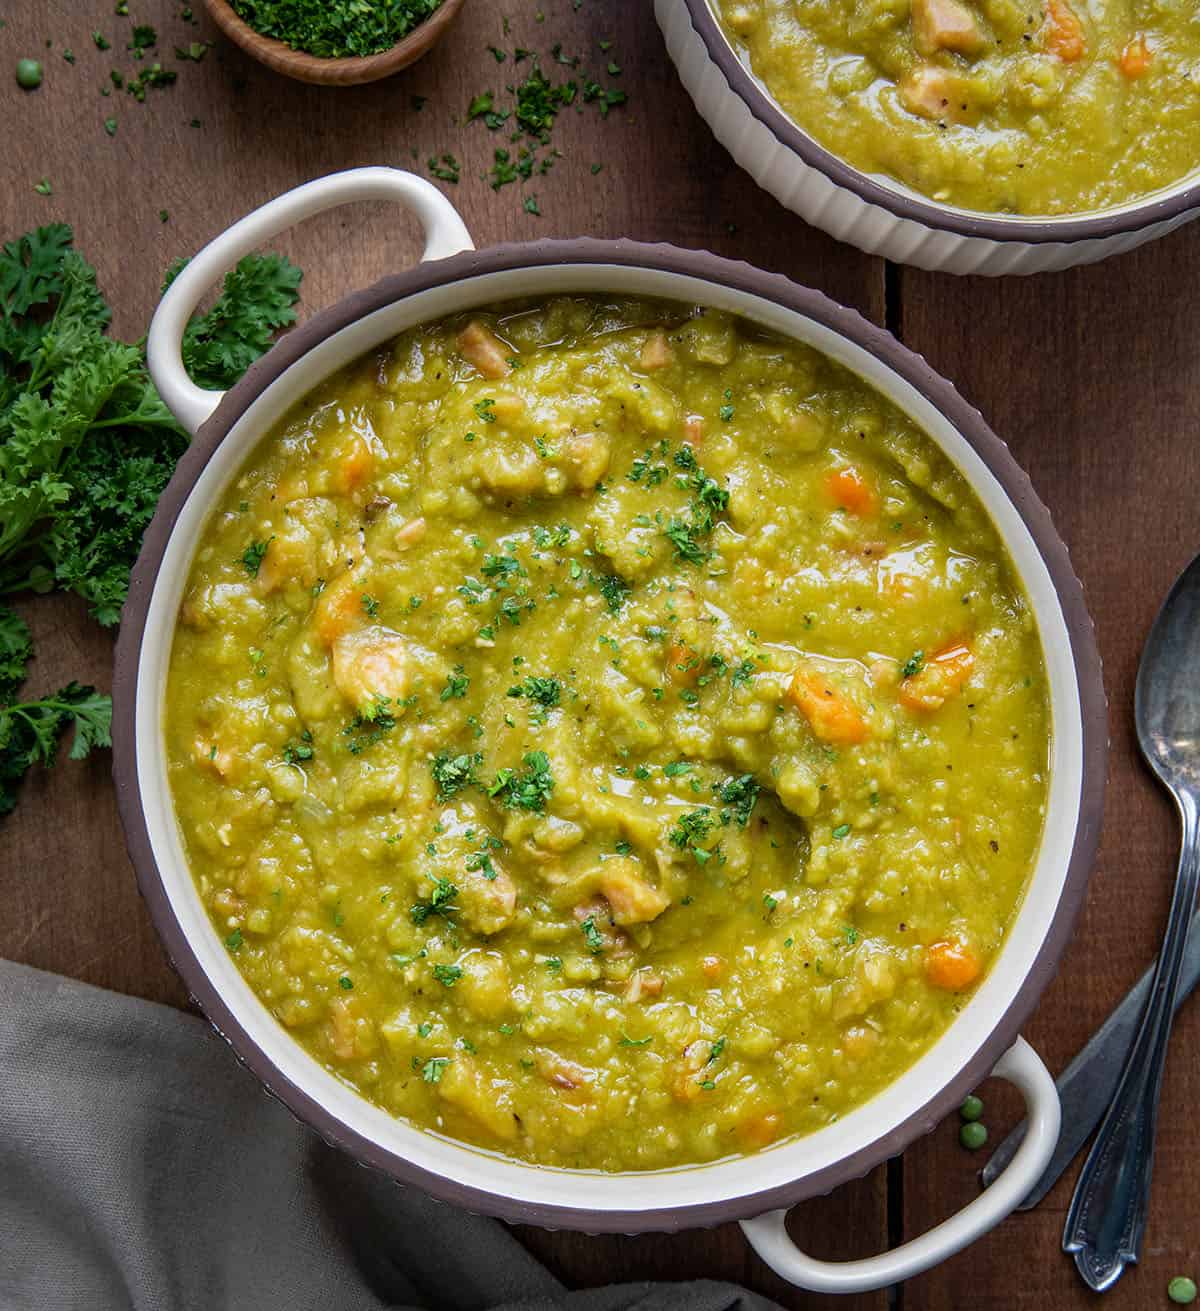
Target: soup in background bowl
{"type": "Point", "coordinates": [1022, 107]}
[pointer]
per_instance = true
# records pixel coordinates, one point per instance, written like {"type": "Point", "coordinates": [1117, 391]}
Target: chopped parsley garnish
{"type": "Point", "coordinates": [369, 725]}
{"type": "Point", "coordinates": [434, 1068]}
{"type": "Point", "coordinates": [453, 773]}
{"type": "Point", "coordinates": [715, 1053]}
{"type": "Point", "coordinates": [335, 29]}
{"type": "Point", "coordinates": [709, 500]}
{"type": "Point", "coordinates": [841, 831]}
{"type": "Point", "coordinates": [481, 860]}
{"type": "Point", "coordinates": [486, 409]}
{"type": "Point", "coordinates": [677, 767]}
{"type": "Point", "coordinates": [627, 1041]}
{"type": "Point", "coordinates": [484, 106]}
{"type": "Point", "coordinates": [742, 675]}
{"type": "Point", "coordinates": [447, 975]}
{"type": "Point", "coordinates": [614, 589]}
{"type": "Point", "coordinates": [690, 831]}
{"type": "Point", "coordinates": [446, 169]}
{"type": "Point", "coordinates": [592, 935]}
{"type": "Point", "coordinates": [252, 556]}
{"type": "Point", "coordinates": [456, 685]}
{"type": "Point", "coordinates": [545, 691]}
{"type": "Point", "coordinates": [529, 789]}
{"type": "Point", "coordinates": [346, 983]}
{"type": "Point", "coordinates": [742, 794]}
{"type": "Point", "coordinates": [297, 753]}
{"type": "Point", "coordinates": [680, 534]}
{"type": "Point", "coordinates": [913, 665]}
{"type": "Point", "coordinates": [370, 606]}
{"type": "Point", "coordinates": [850, 933]}
{"type": "Point", "coordinates": [234, 941]}
{"type": "Point", "coordinates": [502, 567]}
{"type": "Point", "coordinates": [441, 902]}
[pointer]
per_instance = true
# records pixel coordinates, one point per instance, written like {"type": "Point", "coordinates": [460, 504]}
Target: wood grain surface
{"type": "Point", "coordinates": [1089, 375]}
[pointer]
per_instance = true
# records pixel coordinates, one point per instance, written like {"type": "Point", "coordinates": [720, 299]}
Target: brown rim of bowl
{"type": "Point", "coordinates": [739, 277]}
{"type": "Point", "coordinates": [351, 71]}
{"type": "Point", "coordinates": [1045, 231]}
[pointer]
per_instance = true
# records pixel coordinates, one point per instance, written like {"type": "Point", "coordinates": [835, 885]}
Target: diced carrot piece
{"type": "Point", "coordinates": [940, 678]}
{"type": "Point", "coordinates": [339, 609]}
{"type": "Point", "coordinates": [643, 983]}
{"type": "Point", "coordinates": [901, 587]}
{"type": "Point", "coordinates": [355, 466]}
{"type": "Point", "coordinates": [832, 716]}
{"type": "Point", "coordinates": [951, 965]}
{"type": "Point", "coordinates": [482, 348]}
{"type": "Point", "coordinates": [712, 967]}
{"type": "Point", "coordinates": [411, 533]}
{"type": "Point", "coordinates": [683, 664]}
{"type": "Point", "coordinates": [1136, 58]}
{"type": "Point", "coordinates": [760, 1130]}
{"type": "Point", "coordinates": [693, 429]}
{"type": "Point", "coordinates": [852, 491]}
{"type": "Point", "coordinates": [1064, 32]}
{"type": "Point", "coordinates": [656, 352]}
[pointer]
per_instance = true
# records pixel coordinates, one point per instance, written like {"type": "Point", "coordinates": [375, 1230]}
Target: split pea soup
{"type": "Point", "coordinates": [606, 733]}
{"type": "Point", "coordinates": [1030, 107]}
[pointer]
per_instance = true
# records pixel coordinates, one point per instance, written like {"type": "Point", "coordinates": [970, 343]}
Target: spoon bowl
{"type": "Point", "coordinates": [1167, 700]}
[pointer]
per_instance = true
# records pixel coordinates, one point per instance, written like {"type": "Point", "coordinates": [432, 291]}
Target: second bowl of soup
{"type": "Point", "coordinates": [998, 135]}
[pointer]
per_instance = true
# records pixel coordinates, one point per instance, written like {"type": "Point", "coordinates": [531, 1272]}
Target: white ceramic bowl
{"type": "Point", "coordinates": [876, 213]}
{"type": "Point", "coordinates": [982, 1040]}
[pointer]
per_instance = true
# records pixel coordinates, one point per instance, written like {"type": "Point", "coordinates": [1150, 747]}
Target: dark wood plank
{"type": "Point", "coordinates": [1092, 377]}
{"type": "Point", "coordinates": [71, 904]}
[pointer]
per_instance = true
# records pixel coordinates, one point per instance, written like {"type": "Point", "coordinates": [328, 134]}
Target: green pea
{"type": "Point", "coordinates": [29, 74]}
{"type": "Point", "coordinates": [972, 1135]}
{"type": "Point", "coordinates": [1182, 1290]}
{"type": "Point", "coordinates": [972, 1108]}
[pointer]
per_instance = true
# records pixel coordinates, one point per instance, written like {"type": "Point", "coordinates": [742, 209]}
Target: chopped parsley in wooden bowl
{"type": "Point", "coordinates": [335, 42]}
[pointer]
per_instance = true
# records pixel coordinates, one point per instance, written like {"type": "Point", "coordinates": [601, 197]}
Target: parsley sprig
{"type": "Point", "coordinates": [30, 730]}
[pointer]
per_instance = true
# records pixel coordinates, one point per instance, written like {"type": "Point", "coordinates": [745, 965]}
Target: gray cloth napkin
{"type": "Point", "coordinates": [141, 1167]}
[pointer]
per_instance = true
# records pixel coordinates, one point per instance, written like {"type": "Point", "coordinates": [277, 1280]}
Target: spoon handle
{"type": "Point", "coordinates": [1108, 1211]}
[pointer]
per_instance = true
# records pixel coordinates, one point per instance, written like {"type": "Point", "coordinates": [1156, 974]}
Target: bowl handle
{"type": "Point", "coordinates": [1020, 1065]}
{"type": "Point", "coordinates": [445, 234]}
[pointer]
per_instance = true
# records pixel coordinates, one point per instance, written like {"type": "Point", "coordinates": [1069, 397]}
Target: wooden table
{"type": "Point", "coordinates": [1091, 376]}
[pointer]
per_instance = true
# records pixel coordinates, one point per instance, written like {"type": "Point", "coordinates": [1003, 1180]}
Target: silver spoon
{"type": "Point", "coordinates": [1108, 1211]}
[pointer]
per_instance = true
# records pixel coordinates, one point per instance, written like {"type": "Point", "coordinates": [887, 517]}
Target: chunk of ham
{"type": "Point", "coordinates": [371, 663]}
{"type": "Point", "coordinates": [656, 352]}
{"type": "Point", "coordinates": [631, 898]}
{"type": "Point", "coordinates": [945, 25]}
{"type": "Point", "coordinates": [482, 348]}
{"type": "Point", "coordinates": [937, 93]}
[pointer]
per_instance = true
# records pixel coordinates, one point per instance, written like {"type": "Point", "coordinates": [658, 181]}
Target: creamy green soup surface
{"type": "Point", "coordinates": [606, 733]}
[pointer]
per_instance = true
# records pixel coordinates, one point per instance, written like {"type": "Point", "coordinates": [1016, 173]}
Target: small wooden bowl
{"type": "Point", "coordinates": [334, 72]}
